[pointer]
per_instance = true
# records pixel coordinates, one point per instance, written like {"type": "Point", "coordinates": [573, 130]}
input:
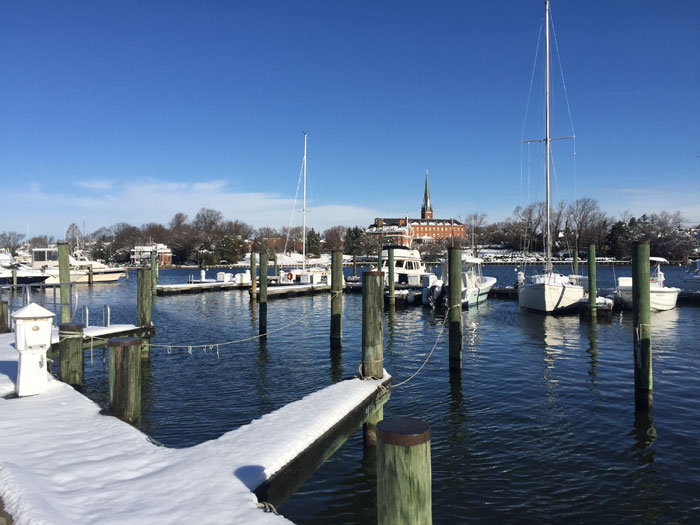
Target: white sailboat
{"type": "Point", "coordinates": [549, 292]}
{"type": "Point", "coordinates": [311, 274]}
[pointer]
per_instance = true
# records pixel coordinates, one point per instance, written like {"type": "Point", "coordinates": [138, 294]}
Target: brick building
{"type": "Point", "coordinates": [405, 230]}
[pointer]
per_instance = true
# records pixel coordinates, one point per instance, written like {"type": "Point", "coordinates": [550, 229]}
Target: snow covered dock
{"type": "Point", "coordinates": [62, 461]}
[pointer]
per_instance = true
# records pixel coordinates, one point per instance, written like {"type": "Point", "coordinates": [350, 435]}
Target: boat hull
{"type": "Point", "coordinates": [475, 295]}
{"type": "Point", "coordinates": [659, 300]}
{"type": "Point", "coordinates": [549, 297]}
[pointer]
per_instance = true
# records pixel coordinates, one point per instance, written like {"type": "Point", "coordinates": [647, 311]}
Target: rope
{"type": "Point", "coordinates": [442, 329]}
{"type": "Point", "coordinates": [210, 346]}
{"type": "Point", "coordinates": [267, 507]}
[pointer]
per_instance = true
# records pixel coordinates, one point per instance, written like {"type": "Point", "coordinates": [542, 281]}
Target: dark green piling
{"type": "Point", "coordinates": [336, 299]}
{"type": "Point", "coordinates": [455, 311]}
{"type": "Point", "coordinates": [64, 279]}
{"type": "Point", "coordinates": [641, 323]}
{"type": "Point", "coordinates": [575, 262]}
{"type": "Point", "coordinates": [390, 264]}
{"type": "Point", "coordinates": [354, 265]}
{"type": "Point", "coordinates": [263, 293]}
{"type": "Point", "coordinates": [253, 276]}
{"type": "Point", "coordinates": [4, 317]}
{"type": "Point", "coordinates": [592, 287]}
{"type": "Point", "coordinates": [372, 329]}
{"type": "Point", "coordinates": [379, 260]}
{"type": "Point", "coordinates": [404, 475]}
{"type": "Point", "coordinates": [125, 378]}
{"type": "Point", "coordinates": [154, 272]}
{"type": "Point", "coordinates": [70, 351]}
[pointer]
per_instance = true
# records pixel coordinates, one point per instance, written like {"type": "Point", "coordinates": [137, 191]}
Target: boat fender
{"type": "Point", "coordinates": [290, 276]}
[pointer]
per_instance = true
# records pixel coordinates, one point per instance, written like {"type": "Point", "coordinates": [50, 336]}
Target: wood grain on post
{"type": "Point", "coordinates": [125, 378]}
{"type": "Point", "coordinates": [372, 326]}
{"type": "Point", "coordinates": [641, 324]}
{"type": "Point", "coordinates": [390, 264]}
{"type": "Point", "coordinates": [253, 276]}
{"type": "Point", "coordinates": [592, 289]}
{"type": "Point", "coordinates": [403, 472]}
{"type": "Point", "coordinates": [143, 287]}
{"type": "Point", "coordinates": [64, 279]}
{"type": "Point", "coordinates": [263, 293]}
{"type": "Point", "coordinates": [70, 351]}
{"type": "Point", "coordinates": [4, 317]}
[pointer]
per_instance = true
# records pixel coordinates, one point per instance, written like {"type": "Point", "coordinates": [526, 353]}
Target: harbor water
{"type": "Point", "coordinates": [540, 425]}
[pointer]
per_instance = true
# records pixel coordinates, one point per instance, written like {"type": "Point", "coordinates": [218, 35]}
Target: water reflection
{"type": "Point", "coordinates": [593, 350]}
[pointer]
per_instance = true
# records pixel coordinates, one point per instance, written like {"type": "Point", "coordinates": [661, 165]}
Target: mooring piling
{"type": "Point", "coordinates": [592, 288]}
{"type": "Point", "coordinates": [576, 261]}
{"type": "Point", "coordinates": [4, 317]}
{"type": "Point", "coordinates": [379, 259]}
{"type": "Point", "coordinates": [455, 311]}
{"type": "Point", "coordinates": [336, 299]}
{"type": "Point", "coordinates": [154, 272]}
{"type": "Point", "coordinates": [404, 492]}
{"type": "Point", "coordinates": [275, 267]}
{"type": "Point", "coordinates": [64, 279]}
{"type": "Point", "coordinates": [91, 276]}
{"type": "Point", "coordinates": [14, 282]}
{"type": "Point", "coordinates": [354, 265]}
{"type": "Point", "coordinates": [253, 276]}
{"type": "Point", "coordinates": [372, 328]}
{"type": "Point", "coordinates": [70, 351]}
{"type": "Point", "coordinates": [369, 429]}
{"type": "Point", "coordinates": [263, 294]}
{"type": "Point", "coordinates": [390, 264]}
{"type": "Point", "coordinates": [125, 378]}
{"type": "Point", "coordinates": [143, 287]}
{"type": "Point", "coordinates": [641, 323]}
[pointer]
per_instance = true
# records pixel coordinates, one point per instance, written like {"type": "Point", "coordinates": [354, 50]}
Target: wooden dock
{"type": "Point", "coordinates": [293, 290]}
{"type": "Point", "coordinates": [217, 286]}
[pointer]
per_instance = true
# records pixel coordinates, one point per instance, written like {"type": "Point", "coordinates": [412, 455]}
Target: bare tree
{"type": "Point", "coordinates": [11, 241]}
{"type": "Point", "coordinates": [73, 236]}
{"type": "Point", "coordinates": [207, 223]}
{"type": "Point", "coordinates": [334, 237]}
{"type": "Point", "coordinates": [41, 241]}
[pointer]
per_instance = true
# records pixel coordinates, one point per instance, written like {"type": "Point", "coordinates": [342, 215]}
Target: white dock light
{"type": "Point", "coordinates": [32, 341]}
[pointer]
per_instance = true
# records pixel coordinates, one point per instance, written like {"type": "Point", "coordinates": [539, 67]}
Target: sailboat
{"type": "Point", "coordinates": [549, 291]}
{"type": "Point", "coordinates": [307, 274]}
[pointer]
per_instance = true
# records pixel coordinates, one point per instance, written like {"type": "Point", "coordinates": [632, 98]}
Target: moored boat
{"type": "Point", "coordinates": [661, 297]}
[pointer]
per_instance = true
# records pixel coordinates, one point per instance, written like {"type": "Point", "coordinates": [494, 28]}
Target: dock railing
{"type": "Point", "coordinates": [46, 295]}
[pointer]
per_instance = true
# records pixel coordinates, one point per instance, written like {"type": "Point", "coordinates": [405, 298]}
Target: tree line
{"type": "Point", "coordinates": [209, 238]}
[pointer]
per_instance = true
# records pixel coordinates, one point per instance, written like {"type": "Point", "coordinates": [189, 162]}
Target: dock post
{"type": "Point", "coordinates": [455, 311]}
{"type": "Point", "coordinates": [575, 262]}
{"type": "Point", "coordinates": [14, 281]}
{"type": "Point", "coordinates": [125, 378]}
{"type": "Point", "coordinates": [253, 276]}
{"type": "Point", "coordinates": [4, 317]}
{"type": "Point", "coordinates": [641, 323]}
{"type": "Point", "coordinates": [403, 472]}
{"type": "Point", "coordinates": [126, 274]}
{"type": "Point", "coordinates": [275, 268]}
{"type": "Point", "coordinates": [143, 290]}
{"type": "Point", "coordinates": [91, 276]}
{"type": "Point", "coordinates": [336, 299]}
{"type": "Point", "coordinates": [372, 365]}
{"type": "Point", "coordinates": [390, 264]}
{"type": "Point", "coordinates": [379, 260]}
{"type": "Point", "coordinates": [369, 430]}
{"type": "Point", "coordinates": [354, 265]}
{"type": "Point", "coordinates": [64, 279]}
{"type": "Point", "coordinates": [70, 351]}
{"type": "Point", "coordinates": [263, 293]}
{"type": "Point", "coordinates": [592, 287]}
{"type": "Point", "coordinates": [154, 272]}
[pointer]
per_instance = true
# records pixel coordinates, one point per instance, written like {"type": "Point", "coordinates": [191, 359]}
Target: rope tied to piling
{"type": "Point", "coordinates": [361, 368]}
{"type": "Point", "coordinates": [63, 335]}
{"type": "Point", "coordinates": [267, 507]}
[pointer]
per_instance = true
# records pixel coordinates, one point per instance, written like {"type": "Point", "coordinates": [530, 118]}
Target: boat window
{"type": "Point", "coordinates": [39, 255]}
{"type": "Point", "coordinates": [399, 264]}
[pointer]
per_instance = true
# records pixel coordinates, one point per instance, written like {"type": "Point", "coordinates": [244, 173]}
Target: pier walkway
{"type": "Point", "coordinates": [63, 461]}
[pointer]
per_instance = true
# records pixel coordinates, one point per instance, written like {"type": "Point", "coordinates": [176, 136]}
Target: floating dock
{"type": "Point", "coordinates": [214, 286]}
{"type": "Point", "coordinates": [292, 290]}
{"type": "Point", "coordinates": [58, 449]}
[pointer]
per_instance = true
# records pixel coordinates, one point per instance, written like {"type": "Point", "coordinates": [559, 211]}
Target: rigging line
{"type": "Point", "coordinates": [532, 80]}
{"type": "Point", "coordinates": [291, 218]}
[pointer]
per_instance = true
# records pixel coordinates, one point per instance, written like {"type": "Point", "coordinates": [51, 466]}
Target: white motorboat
{"type": "Point", "coordinates": [46, 260]}
{"type": "Point", "coordinates": [549, 292]}
{"type": "Point", "coordinates": [691, 281]}
{"type": "Point", "coordinates": [408, 265]}
{"type": "Point", "coordinates": [25, 274]}
{"type": "Point", "coordinates": [660, 297]}
{"type": "Point", "coordinates": [475, 286]}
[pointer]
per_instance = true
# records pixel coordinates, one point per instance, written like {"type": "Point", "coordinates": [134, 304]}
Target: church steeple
{"type": "Point", "coordinates": [426, 211]}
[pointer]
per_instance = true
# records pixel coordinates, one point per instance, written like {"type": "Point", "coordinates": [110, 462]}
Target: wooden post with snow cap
{"type": "Point", "coordinates": [70, 351]}
{"type": "Point", "coordinates": [390, 264]}
{"type": "Point", "coordinates": [372, 329]}
{"type": "Point", "coordinates": [455, 311]}
{"type": "Point", "coordinates": [253, 276]}
{"type": "Point", "coordinates": [263, 294]}
{"type": "Point", "coordinates": [4, 317]}
{"type": "Point", "coordinates": [641, 324]}
{"type": "Point", "coordinates": [154, 271]}
{"type": "Point", "coordinates": [592, 288]}
{"type": "Point", "coordinates": [64, 280]}
{"type": "Point", "coordinates": [336, 299]}
{"type": "Point", "coordinates": [125, 378]}
{"type": "Point", "coordinates": [404, 492]}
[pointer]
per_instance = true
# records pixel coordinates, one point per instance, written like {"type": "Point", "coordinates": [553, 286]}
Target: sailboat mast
{"type": "Point", "coordinates": [303, 213]}
{"type": "Point", "coordinates": [547, 141]}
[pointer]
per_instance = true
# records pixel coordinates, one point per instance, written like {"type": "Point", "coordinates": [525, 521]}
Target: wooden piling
{"type": "Point", "coordinates": [390, 264]}
{"type": "Point", "coordinates": [64, 279]}
{"type": "Point", "coordinates": [143, 286]}
{"type": "Point", "coordinates": [379, 260]}
{"type": "Point", "coordinates": [641, 324]}
{"type": "Point", "coordinates": [125, 378]}
{"type": "Point", "coordinates": [14, 279]}
{"type": "Point", "coordinates": [91, 276]}
{"type": "Point", "coordinates": [592, 288]}
{"type": "Point", "coordinates": [4, 317]}
{"type": "Point", "coordinates": [455, 312]}
{"type": "Point", "coordinates": [253, 276]}
{"type": "Point", "coordinates": [70, 351]}
{"type": "Point", "coordinates": [154, 272]}
{"type": "Point", "coordinates": [369, 429]}
{"type": "Point", "coordinates": [336, 299]}
{"type": "Point", "coordinates": [403, 472]}
{"type": "Point", "coordinates": [372, 327]}
{"type": "Point", "coordinates": [576, 262]}
{"type": "Point", "coordinates": [276, 269]}
{"type": "Point", "coordinates": [263, 293]}
{"type": "Point", "coordinates": [354, 265]}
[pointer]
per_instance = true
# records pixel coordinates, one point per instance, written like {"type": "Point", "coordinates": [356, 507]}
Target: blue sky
{"type": "Point", "coordinates": [133, 111]}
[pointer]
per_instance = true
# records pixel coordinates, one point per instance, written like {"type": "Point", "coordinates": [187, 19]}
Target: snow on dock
{"type": "Point", "coordinates": [94, 332]}
{"type": "Point", "coordinates": [62, 461]}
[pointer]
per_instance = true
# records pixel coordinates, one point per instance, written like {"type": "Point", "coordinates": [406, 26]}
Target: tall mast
{"type": "Point", "coordinates": [303, 213]}
{"type": "Point", "coordinates": [547, 140]}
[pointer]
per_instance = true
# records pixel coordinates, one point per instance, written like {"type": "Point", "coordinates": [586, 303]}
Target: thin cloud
{"type": "Point", "coordinates": [96, 184]}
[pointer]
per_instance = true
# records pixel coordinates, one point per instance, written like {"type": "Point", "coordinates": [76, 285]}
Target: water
{"type": "Point", "coordinates": [540, 426]}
